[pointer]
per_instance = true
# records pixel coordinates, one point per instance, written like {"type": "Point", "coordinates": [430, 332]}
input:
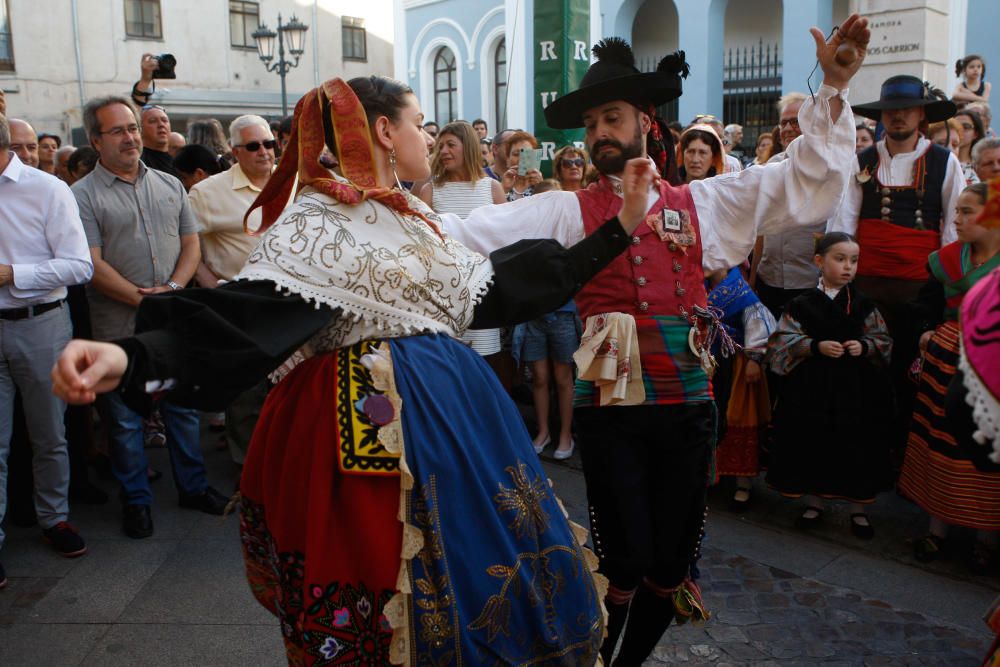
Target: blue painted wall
{"type": "Point", "coordinates": [981, 37]}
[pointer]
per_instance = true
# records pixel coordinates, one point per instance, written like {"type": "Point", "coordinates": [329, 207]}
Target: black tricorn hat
{"type": "Point", "coordinates": [905, 91]}
{"type": "Point", "coordinates": [615, 77]}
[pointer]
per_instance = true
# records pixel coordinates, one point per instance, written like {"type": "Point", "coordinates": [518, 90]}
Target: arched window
{"type": "Point", "coordinates": [500, 84]}
{"type": "Point", "coordinates": [445, 86]}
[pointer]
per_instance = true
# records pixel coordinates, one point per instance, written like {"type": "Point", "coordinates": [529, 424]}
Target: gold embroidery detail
{"type": "Point", "coordinates": [525, 500]}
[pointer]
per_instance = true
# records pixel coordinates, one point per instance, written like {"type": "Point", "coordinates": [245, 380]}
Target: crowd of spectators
{"type": "Point", "coordinates": [155, 210]}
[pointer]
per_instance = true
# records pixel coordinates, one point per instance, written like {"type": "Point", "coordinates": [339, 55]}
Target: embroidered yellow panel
{"type": "Point", "coordinates": [361, 411]}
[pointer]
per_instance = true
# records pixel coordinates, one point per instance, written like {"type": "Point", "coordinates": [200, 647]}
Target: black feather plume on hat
{"type": "Point", "coordinates": [674, 64]}
{"type": "Point", "coordinates": [614, 50]}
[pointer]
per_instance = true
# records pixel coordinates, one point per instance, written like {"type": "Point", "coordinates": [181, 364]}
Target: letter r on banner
{"type": "Point", "coordinates": [548, 150]}
{"type": "Point", "coordinates": [580, 52]}
{"type": "Point", "coordinates": [548, 50]}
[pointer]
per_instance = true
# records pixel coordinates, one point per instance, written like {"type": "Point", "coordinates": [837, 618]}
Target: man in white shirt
{"type": "Point", "coordinates": [645, 460]}
{"type": "Point", "coordinates": [783, 265]}
{"type": "Point", "coordinates": [900, 204]}
{"type": "Point", "coordinates": [219, 203]}
{"type": "Point", "coordinates": [42, 251]}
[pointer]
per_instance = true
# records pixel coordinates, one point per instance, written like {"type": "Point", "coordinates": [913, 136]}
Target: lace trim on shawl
{"type": "Point", "coordinates": [985, 408]}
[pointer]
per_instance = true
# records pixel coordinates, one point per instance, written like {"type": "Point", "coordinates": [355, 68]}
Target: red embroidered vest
{"type": "Point", "coordinates": [653, 277]}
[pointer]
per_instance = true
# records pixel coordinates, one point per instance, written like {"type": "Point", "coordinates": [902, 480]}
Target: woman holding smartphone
{"type": "Point", "coordinates": [519, 183]}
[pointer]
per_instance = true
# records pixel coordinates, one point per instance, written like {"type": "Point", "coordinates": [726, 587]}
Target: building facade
{"type": "Point", "coordinates": [56, 55]}
{"type": "Point", "coordinates": [743, 53]}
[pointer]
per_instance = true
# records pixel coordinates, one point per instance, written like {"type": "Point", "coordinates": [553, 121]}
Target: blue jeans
{"type": "Point", "coordinates": [128, 453]}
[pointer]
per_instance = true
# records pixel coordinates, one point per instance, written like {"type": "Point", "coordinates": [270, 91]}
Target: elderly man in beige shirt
{"type": "Point", "coordinates": [220, 201]}
{"type": "Point", "coordinates": [219, 204]}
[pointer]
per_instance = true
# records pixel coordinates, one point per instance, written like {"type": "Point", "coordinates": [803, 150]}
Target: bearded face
{"type": "Point", "coordinates": [610, 155]}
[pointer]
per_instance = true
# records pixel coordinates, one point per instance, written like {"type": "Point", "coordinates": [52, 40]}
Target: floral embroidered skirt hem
{"type": "Point", "coordinates": [490, 570]}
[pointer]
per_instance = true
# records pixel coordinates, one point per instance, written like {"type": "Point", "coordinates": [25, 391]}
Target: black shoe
{"type": "Point", "coordinates": [928, 548]}
{"type": "Point", "coordinates": [804, 522]}
{"type": "Point", "coordinates": [64, 539]}
{"type": "Point", "coordinates": [87, 494]}
{"type": "Point", "coordinates": [209, 502]}
{"type": "Point", "coordinates": [137, 521]}
{"type": "Point", "coordinates": [863, 530]}
{"type": "Point", "coordinates": [3, 577]}
{"type": "Point", "coordinates": [153, 474]}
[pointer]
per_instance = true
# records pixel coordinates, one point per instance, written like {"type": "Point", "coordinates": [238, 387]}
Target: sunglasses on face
{"type": "Point", "coordinates": [254, 146]}
{"type": "Point", "coordinates": [573, 162]}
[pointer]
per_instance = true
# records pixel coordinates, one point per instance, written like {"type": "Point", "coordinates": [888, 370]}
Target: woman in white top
{"type": "Point", "coordinates": [459, 185]}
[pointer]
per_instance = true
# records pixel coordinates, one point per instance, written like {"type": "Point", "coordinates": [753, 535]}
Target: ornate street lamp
{"type": "Point", "coordinates": [294, 34]}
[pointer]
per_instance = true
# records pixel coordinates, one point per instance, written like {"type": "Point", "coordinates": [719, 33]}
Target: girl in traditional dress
{"type": "Point", "coordinates": [937, 472]}
{"type": "Point", "coordinates": [393, 507]}
{"type": "Point", "coordinates": [740, 390]}
{"type": "Point", "coordinates": [829, 437]}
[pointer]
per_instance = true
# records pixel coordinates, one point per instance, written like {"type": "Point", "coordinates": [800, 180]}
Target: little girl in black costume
{"type": "Point", "coordinates": [833, 347]}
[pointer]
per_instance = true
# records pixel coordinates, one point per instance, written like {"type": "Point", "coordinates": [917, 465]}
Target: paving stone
{"type": "Point", "coordinates": [705, 653]}
{"type": "Point", "coordinates": [772, 601]}
{"type": "Point", "coordinates": [723, 574]}
{"type": "Point", "coordinates": [742, 652]}
{"type": "Point", "coordinates": [759, 585]}
{"type": "Point", "coordinates": [778, 573]}
{"type": "Point", "coordinates": [725, 587]}
{"type": "Point", "coordinates": [809, 599]}
{"type": "Point", "coordinates": [48, 644]}
{"type": "Point", "coordinates": [850, 647]}
{"type": "Point", "coordinates": [739, 602]}
{"type": "Point", "coordinates": [671, 654]}
{"type": "Point", "coordinates": [154, 645]}
{"type": "Point", "coordinates": [860, 631]}
{"type": "Point", "coordinates": [840, 616]}
{"type": "Point", "coordinates": [772, 633]}
{"type": "Point", "coordinates": [814, 649]}
{"type": "Point", "coordinates": [931, 645]}
{"type": "Point", "coordinates": [738, 617]}
{"type": "Point", "coordinates": [726, 633]}
{"type": "Point", "coordinates": [20, 596]}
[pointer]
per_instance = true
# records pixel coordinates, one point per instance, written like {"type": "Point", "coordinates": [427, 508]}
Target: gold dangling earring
{"type": "Point", "coordinates": [392, 165]}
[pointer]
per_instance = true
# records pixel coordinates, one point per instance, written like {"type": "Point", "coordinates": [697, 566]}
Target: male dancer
{"type": "Point", "coordinates": [646, 464]}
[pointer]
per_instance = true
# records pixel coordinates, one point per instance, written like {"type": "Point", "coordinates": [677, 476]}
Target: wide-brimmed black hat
{"type": "Point", "coordinates": [905, 91]}
{"type": "Point", "coordinates": [615, 77]}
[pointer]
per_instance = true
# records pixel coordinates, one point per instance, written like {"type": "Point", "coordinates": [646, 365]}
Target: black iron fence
{"type": "Point", "coordinates": [751, 86]}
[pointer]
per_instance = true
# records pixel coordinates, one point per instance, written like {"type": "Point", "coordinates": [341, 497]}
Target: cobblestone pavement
{"type": "Point", "coordinates": [766, 616]}
{"type": "Point", "coordinates": [778, 597]}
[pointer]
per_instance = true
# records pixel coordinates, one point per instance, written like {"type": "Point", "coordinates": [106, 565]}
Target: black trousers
{"type": "Point", "coordinates": [646, 469]}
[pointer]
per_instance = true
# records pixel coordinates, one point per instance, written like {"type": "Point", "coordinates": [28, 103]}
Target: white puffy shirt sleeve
{"type": "Point", "coordinates": [550, 215]}
{"type": "Point", "coordinates": [802, 190]}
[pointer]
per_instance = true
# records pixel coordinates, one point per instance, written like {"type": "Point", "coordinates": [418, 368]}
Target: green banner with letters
{"type": "Point", "coordinates": [562, 56]}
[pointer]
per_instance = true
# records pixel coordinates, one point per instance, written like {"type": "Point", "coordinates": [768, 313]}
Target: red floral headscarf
{"type": "Point", "coordinates": [306, 143]}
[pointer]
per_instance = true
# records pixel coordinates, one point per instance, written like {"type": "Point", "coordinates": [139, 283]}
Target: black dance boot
{"type": "Point", "coordinates": [648, 619]}
{"type": "Point", "coordinates": [616, 621]}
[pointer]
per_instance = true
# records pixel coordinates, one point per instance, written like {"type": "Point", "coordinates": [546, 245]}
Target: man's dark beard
{"type": "Point", "coordinates": [901, 135]}
{"type": "Point", "coordinates": [615, 163]}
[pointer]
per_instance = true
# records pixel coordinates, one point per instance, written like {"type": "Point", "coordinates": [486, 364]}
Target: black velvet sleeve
{"type": "Point", "coordinates": [215, 343]}
{"type": "Point", "coordinates": [536, 276]}
{"type": "Point", "coordinates": [927, 310]}
{"type": "Point", "coordinates": [212, 344]}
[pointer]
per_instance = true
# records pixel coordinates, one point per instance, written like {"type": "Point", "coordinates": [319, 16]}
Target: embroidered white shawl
{"type": "Point", "coordinates": [391, 275]}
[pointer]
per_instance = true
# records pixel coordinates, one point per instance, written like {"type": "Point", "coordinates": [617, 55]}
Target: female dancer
{"type": "Point", "coordinates": [937, 472]}
{"type": "Point", "coordinates": [393, 508]}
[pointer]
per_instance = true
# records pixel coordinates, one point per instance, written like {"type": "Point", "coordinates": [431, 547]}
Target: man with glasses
{"type": "Point", "coordinates": [783, 262]}
{"type": "Point", "coordinates": [219, 204]}
{"type": "Point", "coordinates": [143, 241]}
